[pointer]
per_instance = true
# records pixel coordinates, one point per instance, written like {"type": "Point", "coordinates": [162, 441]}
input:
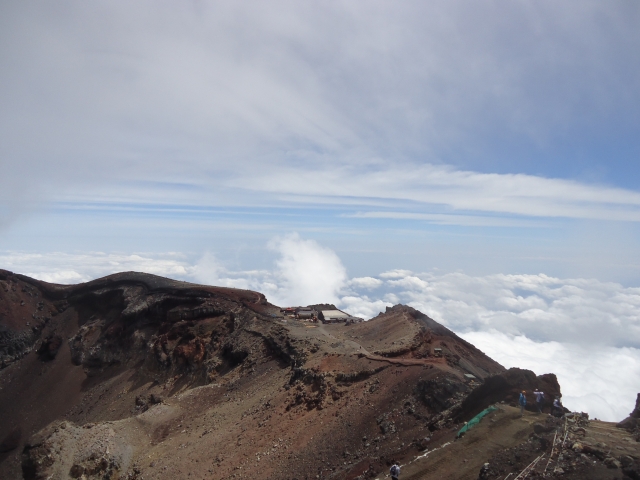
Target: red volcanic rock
{"type": "Point", "coordinates": [192, 353]}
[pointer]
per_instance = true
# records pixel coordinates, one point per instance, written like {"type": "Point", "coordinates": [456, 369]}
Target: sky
{"type": "Point", "coordinates": [475, 160]}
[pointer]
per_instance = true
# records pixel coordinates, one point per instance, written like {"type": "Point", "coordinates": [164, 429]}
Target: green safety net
{"type": "Point", "coordinates": [475, 420]}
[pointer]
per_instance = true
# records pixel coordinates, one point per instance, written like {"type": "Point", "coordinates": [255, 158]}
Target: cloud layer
{"type": "Point", "coordinates": [585, 331]}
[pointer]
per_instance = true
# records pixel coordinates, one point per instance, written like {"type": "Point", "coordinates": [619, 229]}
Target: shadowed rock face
{"type": "Point", "coordinates": [135, 376]}
{"type": "Point", "coordinates": [632, 422]}
{"type": "Point", "coordinates": [124, 318]}
{"type": "Point", "coordinates": [506, 387]}
{"type": "Point", "coordinates": [116, 316]}
{"type": "Point", "coordinates": [24, 313]}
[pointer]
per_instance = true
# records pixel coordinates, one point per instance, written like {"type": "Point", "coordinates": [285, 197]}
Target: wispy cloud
{"type": "Point", "coordinates": [435, 186]}
{"type": "Point", "coordinates": [447, 219]}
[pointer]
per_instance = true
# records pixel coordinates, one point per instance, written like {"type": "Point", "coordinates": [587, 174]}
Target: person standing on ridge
{"type": "Point", "coordinates": [539, 398]}
{"type": "Point", "coordinates": [523, 402]}
{"type": "Point", "coordinates": [395, 471]}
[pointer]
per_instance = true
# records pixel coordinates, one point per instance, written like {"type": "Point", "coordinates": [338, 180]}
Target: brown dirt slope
{"type": "Point", "coordinates": [504, 444]}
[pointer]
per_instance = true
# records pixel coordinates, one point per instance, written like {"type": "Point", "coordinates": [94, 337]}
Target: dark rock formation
{"type": "Point", "coordinates": [24, 313]}
{"type": "Point", "coordinates": [441, 393]}
{"type": "Point", "coordinates": [506, 387]}
{"type": "Point", "coordinates": [49, 348]}
{"type": "Point", "coordinates": [632, 422]}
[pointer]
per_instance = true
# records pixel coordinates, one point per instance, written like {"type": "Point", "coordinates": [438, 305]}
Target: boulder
{"type": "Point", "coordinates": [49, 348]}
{"type": "Point", "coordinates": [611, 462]}
{"type": "Point", "coordinates": [539, 428]}
{"type": "Point", "coordinates": [626, 461]}
{"type": "Point", "coordinates": [595, 451]}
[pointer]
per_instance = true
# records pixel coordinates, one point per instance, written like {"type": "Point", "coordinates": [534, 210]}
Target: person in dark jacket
{"type": "Point", "coordinates": [395, 471]}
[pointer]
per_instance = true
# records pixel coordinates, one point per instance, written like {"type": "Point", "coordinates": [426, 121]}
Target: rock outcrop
{"type": "Point", "coordinates": [632, 422]}
{"type": "Point", "coordinates": [506, 387]}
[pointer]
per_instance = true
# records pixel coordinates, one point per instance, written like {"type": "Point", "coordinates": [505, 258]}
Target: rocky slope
{"type": "Point", "coordinates": [137, 376]}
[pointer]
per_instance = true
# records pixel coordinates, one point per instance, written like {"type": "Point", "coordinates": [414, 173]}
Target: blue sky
{"type": "Point", "coordinates": [444, 138]}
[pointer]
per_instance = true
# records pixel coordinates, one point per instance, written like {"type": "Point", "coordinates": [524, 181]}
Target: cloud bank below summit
{"type": "Point", "coordinates": [584, 330]}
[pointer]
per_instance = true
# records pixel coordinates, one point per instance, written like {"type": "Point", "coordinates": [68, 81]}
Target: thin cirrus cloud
{"type": "Point", "coordinates": [444, 219]}
{"type": "Point", "coordinates": [428, 193]}
{"type": "Point", "coordinates": [431, 185]}
{"type": "Point", "coordinates": [584, 330]}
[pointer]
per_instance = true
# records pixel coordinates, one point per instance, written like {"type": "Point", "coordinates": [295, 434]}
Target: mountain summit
{"type": "Point", "coordinates": [138, 376]}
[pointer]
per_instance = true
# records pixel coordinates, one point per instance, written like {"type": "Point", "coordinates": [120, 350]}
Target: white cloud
{"type": "Point", "coordinates": [308, 272]}
{"type": "Point", "coordinates": [410, 282]}
{"type": "Point", "coordinates": [207, 270]}
{"type": "Point", "coordinates": [363, 306]}
{"type": "Point", "coordinates": [395, 273]}
{"type": "Point", "coordinates": [367, 283]}
{"type": "Point", "coordinates": [541, 307]}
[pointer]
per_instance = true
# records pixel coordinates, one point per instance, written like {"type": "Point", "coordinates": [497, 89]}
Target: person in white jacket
{"type": "Point", "coordinates": [395, 471]}
{"type": "Point", "coordinates": [539, 399]}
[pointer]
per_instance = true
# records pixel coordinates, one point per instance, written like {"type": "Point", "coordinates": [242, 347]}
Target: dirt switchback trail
{"type": "Point", "coordinates": [571, 448]}
{"type": "Point", "coordinates": [462, 459]}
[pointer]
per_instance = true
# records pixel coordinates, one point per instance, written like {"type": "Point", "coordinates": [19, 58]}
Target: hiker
{"type": "Point", "coordinates": [539, 398]}
{"type": "Point", "coordinates": [523, 402]}
{"type": "Point", "coordinates": [395, 471]}
{"type": "Point", "coordinates": [558, 409]}
{"type": "Point", "coordinates": [484, 472]}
